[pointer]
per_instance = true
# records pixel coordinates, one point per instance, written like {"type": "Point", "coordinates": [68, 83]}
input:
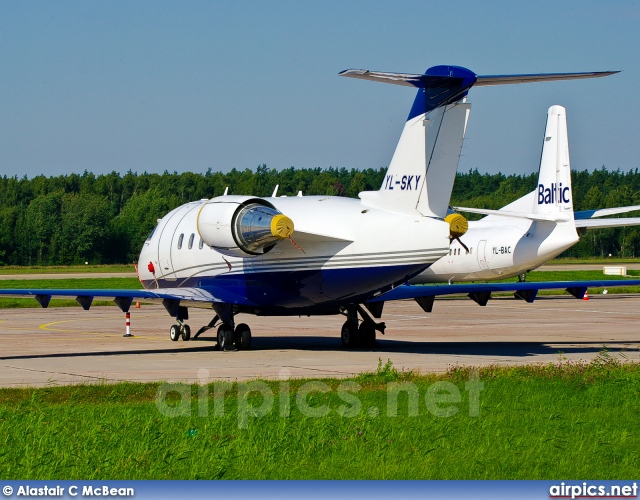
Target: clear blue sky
{"type": "Point", "coordinates": [153, 85]}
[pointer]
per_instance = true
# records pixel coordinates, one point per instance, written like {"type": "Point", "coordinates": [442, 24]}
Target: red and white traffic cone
{"type": "Point", "coordinates": [586, 296]}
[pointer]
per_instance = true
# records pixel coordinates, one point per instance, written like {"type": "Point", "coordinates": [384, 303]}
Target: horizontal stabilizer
{"type": "Point", "coordinates": [602, 212]}
{"type": "Point", "coordinates": [432, 81]}
{"type": "Point", "coordinates": [487, 80]}
{"type": "Point", "coordinates": [550, 217]}
{"type": "Point", "coordinates": [605, 223]}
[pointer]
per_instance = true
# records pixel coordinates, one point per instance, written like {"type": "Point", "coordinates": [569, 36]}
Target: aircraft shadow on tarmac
{"type": "Point", "coordinates": [331, 344]}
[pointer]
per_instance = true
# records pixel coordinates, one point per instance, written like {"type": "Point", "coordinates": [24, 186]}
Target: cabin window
{"type": "Point", "coordinates": [200, 244]}
{"type": "Point", "coordinates": [191, 240]}
{"type": "Point", "coordinates": [180, 241]}
{"type": "Point", "coordinates": [449, 251]}
{"type": "Point", "coordinates": [470, 249]}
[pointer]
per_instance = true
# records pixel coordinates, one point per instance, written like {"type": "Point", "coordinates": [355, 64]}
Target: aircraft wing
{"type": "Point", "coordinates": [481, 292]}
{"type": "Point", "coordinates": [123, 298]}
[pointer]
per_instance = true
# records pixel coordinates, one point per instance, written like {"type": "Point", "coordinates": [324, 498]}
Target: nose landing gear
{"type": "Point", "coordinates": [180, 331]}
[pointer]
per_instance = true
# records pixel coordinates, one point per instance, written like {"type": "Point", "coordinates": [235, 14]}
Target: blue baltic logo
{"type": "Point", "coordinates": [555, 194]}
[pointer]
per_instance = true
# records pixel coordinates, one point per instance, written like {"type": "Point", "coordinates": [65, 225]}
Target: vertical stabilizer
{"type": "Point", "coordinates": [421, 174]}
{"type": "Point", "coordinates": [553, 192]}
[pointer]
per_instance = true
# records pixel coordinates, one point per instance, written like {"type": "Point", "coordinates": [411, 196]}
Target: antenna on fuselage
{"type": "Point", "coordinates": [226, 190]}
{"type": "Point", "coordinates": [275, 191]}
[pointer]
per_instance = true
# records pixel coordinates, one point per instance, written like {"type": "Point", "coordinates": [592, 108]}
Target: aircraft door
{"type": "Point", "coordinates": [482, 257]}
{"type": "Point", "coordinates": [168, 241]}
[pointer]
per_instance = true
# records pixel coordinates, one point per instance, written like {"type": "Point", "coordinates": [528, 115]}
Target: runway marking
{"type": "Point", "coordinates": [95, 377]}
{"type": "Point", "coordinates": [46, 326]}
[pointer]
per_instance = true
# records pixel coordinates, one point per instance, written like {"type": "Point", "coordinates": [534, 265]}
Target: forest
{"type": "Point", "coordinates": [102, 219]}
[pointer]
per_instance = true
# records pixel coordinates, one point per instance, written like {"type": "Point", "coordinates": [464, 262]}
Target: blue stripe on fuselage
{"type": "Point", "coordinates": [299, 289]}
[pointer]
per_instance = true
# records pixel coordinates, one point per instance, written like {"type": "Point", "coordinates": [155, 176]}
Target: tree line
{"type": "Point", "coordinates": [73, 218]}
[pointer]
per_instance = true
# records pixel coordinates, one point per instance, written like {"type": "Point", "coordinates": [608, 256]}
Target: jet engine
{"type": "Point", "coordinates": [241, 226]}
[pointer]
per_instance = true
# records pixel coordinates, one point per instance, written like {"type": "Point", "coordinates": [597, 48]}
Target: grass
{"type": "Point", "coordinates": [108, 268]}
{"type": "Point", "coordinates": [594, 260]}
{"type": "Point", "coordinates": [101, 283]}
{"type": "Point", "coordinates": [534, 422]}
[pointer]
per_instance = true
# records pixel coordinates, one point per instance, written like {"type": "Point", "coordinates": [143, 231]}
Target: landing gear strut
{"type": "Point", "coordinates": [364, 335]}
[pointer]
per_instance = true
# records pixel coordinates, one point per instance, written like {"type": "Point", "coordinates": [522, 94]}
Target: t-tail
{"type": "Point", "coordinates": [420, 177]}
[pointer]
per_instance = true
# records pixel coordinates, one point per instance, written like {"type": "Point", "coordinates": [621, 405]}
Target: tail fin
{"type": "Point", "coordinates": [553, 192]}
{"type": "Point", "coordinates": [421, 173]}
{"type": "Point", "coordinates": [552, 199]}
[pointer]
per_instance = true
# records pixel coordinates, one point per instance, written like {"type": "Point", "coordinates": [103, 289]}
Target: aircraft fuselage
{"type": "Point", "coordinates": [500, 248]}
{"type": "Point", "coordinates": [341, 252]}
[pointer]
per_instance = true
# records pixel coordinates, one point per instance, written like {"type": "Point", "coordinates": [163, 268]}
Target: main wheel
{"type": "Point", "coordinates": [174, 332]}
{"type": "Point", "coordinates": [243, 337]}
{"type": "Point", "coordinates": [367, 334]}
{"type": "Point", "coordinates": [186, 332]}
{"type": "Point", "coordinates": [349, 334]}
{"type": "Point", "coordinates": [225, 338]}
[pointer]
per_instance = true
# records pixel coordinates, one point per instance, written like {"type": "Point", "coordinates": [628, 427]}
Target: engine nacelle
{"type": "Point", "coordinates": [242, 226]}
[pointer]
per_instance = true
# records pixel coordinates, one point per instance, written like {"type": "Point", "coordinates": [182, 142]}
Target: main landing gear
{"type": "Point", "coordinates": [355, 332]}
{"type": "Point", "coordinates": [362, 334]}
{"type": "Point", "coordinates": [230, 339]}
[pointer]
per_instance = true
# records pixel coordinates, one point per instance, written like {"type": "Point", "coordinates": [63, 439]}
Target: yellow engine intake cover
{"type": "Point", "coordinates": [458, 225]}
{"type": "Point", "coordinates": [281, 226]}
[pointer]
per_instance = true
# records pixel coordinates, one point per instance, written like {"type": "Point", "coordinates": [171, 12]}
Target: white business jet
{"type": "Point", "coordinates": [529, 231]}
{"type": "Point", "coordinates": [309, 255]}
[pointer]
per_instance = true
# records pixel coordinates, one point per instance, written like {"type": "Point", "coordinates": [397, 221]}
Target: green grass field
{"type": "Point", "coordinates": [107, 268]}
{"type": "Point", "coordinates": [533, 422]}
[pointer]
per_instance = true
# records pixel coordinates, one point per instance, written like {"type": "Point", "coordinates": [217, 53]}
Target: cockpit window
{"type": "Point", "coordinates": [151, 233]}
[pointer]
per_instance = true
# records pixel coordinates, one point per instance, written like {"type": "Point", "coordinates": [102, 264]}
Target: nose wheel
{"type": "Point", "coordinates": [180, 331]}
